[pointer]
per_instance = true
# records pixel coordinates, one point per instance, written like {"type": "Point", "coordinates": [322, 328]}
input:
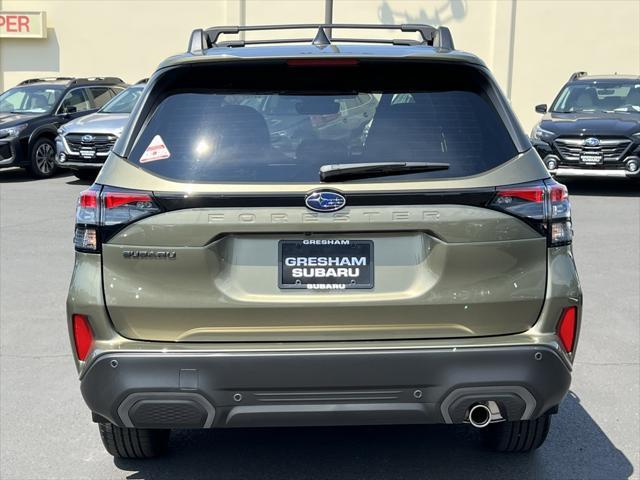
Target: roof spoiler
{"type": "Point", "coordinates": [201, 40]}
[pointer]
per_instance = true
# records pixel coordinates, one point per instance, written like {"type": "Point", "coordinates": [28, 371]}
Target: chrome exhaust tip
{"type": "Point", "coordinates": [479, 415]}
{"type": "Point", "coordinates": [482, 414]}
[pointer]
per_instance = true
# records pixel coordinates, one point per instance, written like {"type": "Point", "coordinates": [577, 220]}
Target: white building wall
{"type": "Point", "coordinates": [532, 46]}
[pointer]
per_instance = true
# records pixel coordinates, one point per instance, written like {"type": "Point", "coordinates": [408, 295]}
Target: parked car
{"type": "Point", "coordinates": [31, 113]}
{"type": "Point", "coordinates": [288, 126]}
{"type": "Point", "coordinates": [222, 281]}
{"type": "Point", "coordinates": [82, 145]}
{"type": "Point", "coordinates": [592, 127]}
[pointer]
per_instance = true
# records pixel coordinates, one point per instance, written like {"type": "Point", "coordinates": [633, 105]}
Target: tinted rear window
{"type": "Point", "coordinates": [281, 124]}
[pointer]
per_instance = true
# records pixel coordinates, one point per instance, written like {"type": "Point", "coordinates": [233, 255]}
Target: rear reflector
{"type": "Point", "coordinates": [567, 328]}
{"type": "Point", "coordinates": [82, 336]}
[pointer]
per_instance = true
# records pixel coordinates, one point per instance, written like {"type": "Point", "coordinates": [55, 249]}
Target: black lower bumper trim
{"type": "Point", "coordinates": [222, 389]}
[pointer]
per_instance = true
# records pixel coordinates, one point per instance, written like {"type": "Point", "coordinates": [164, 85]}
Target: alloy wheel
{"type": "Point", "coordinates": [45, 158]}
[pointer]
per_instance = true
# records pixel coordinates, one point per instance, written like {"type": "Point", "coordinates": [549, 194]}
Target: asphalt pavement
{"type": "Point", "coordinates": [46, 431]}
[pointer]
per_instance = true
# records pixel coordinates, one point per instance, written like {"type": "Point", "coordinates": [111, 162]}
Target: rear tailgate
{"type": "Point", "coordinates": [212, 274]}
{"type": "Point", "coordinates": [230, 149]}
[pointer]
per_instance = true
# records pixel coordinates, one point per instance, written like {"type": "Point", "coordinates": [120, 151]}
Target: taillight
{"type": "Point", "coordinates": [87, 211]}
{"type": "Point", "coordinates": [567, 327]}
{"type": "Point", "coordinates": [82, 335]}
{"type": "Point", "coordinates": [102, 211]}
{"type": "Point", "coordinates": [119, 207]}
{"type": "Point", "coordinates": [544, 205]}
{"type": "Point", "coordinates": [560, 232]}
{"type": "Point", "coordinates": [87, 220]}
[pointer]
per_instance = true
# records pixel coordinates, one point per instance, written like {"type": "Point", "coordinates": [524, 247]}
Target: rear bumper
{"type": "Point", "coordinates": [208, 389]}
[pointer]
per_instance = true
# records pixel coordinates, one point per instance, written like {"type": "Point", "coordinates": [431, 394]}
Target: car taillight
{"type": "Point", "coordinates": [125, 207]}
{"type": "Point", "coordinates": [102, 211]}
{"type": "Point", "coordinates": [544, 205]}
{"type": "Point", "coordinates": [560, 232]}
{"type": "Point", "coordinates": [87, 220]}
{"type": "Point", "coordinates": [82, 335]}
{"type": "Point", "coordinates": [567, 327]}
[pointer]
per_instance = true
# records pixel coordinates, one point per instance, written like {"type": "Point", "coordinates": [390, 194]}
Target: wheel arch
{"type": "Point", "coordinates": [46, 131]}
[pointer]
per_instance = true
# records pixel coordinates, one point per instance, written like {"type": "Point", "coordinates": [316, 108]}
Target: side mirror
{"type": "Point", "coordinates": [542, 108]}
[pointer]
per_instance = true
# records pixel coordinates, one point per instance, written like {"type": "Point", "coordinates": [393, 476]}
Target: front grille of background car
{"type": "Point", "coordinates": [571, 148]}
{"type": "Point", "coordinates": [102, 143]}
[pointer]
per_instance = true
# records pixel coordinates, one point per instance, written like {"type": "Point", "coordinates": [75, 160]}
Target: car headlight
{"type": "Point", "coordinates": [541, 134]}
{"type": "Point", "coordinates": [118, 131]}
{"type": "Point", "coordinates": [62, 130]}
{"type": "Point", "coordinates": [12, 131]}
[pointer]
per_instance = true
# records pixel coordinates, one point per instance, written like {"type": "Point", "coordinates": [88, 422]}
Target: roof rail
{"type": "Point", "coordinates": [201, 40]}
{"type": "Point", "coordinates": [78, 81]}
{"type": "Point", "coordinates": [577, 75]}
{"type": "Point", "coordinates": [43, 79]}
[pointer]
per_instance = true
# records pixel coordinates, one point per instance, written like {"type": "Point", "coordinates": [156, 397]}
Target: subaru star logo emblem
{"type": "Point", "coordinates": [87, 138]}
{"type": "Point", "coordinates": [325, 201]}
{"type": "Point", "coordinates": [592, 142]}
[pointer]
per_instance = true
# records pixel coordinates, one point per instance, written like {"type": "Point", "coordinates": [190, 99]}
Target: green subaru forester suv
{"type": "Point", "coordinates": [323, 231]}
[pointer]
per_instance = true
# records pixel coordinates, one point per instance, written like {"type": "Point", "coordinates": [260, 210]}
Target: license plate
{"type": "Point", "coordinates": [325, 264]}
{"type": "Point", "coordinates": [591, 159]}
{"type": "Point", "coordinates": [87, 153]}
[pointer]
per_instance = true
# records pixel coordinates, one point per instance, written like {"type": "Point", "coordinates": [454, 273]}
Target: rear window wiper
{"type": "Point", "coordinates": [354, 171]}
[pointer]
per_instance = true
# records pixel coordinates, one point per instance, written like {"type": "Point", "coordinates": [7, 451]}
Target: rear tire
{"type": "Point", "coordinates": [42, 159]}
{"type": "Point", "coordinates": [133, 442]}
{"type": "Point", "coordinates": [86, 174]}
{"type": "Point", "coordinates": [521, 436]}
